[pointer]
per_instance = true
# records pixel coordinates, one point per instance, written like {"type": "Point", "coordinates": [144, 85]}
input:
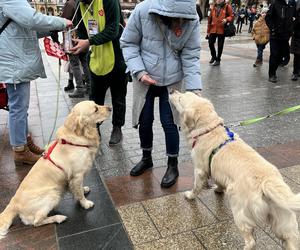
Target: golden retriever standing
{"type": "Point", "coordinates": [255, 188]}
{"type": "Point", "coordinates": [66, 162]}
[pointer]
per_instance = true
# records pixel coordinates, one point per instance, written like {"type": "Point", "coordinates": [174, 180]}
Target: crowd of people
{"type": "Point", "coordinates": [276, 24]}
{"type": "Point", "coordinates": [158, 47]}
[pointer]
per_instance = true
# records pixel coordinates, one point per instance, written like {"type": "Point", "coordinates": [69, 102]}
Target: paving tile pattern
{"type": "Point", "coordinates": [173, 221]}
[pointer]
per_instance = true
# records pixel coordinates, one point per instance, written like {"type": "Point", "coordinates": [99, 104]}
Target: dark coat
{"type": "Point", "coordinates": [295, 43]}
{"type": "Point", "coordinates": [279, 19]}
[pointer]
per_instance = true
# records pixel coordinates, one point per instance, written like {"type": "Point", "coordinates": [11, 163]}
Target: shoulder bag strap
{"type": "Point", "coordinates": [5, 25]}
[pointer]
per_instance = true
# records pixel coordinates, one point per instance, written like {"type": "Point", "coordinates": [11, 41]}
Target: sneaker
{"type": "Point", "coordinates": [22, 155]}
{"type": "Point", "coordinates": [212, 60]}
{"type": "Point", "coordinates": [33, 147]}
{"type": "Point", "coordinates": [78, 93]}
{"type": "Point", "coordinates": [273, 79]}
{"type": "Point", "coordinates": [216, 63]}
{"type": "Point", "coordinates": [294, 77]}
{"type": "Point", "coordinates": [116, 136]}
{"type": "Point", "coordinates": [70, 86]}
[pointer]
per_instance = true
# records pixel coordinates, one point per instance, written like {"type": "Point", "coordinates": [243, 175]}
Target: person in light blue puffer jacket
{"type": "Point", "coordinates": [161, 47]}
{"type": "Point", "coordinates": [20, 63]}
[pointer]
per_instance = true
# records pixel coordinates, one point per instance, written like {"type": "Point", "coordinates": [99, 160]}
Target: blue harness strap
{"type": "Point", "coordinates": [230, 139]}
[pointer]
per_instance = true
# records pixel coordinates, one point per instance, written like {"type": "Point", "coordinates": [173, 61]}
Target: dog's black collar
{"type": "Point", "coordinates": [215, 150]}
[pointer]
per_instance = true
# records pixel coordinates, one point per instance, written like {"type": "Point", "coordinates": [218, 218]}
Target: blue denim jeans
{"type": "Point", "coordinates": [260, 51]}
{"type": "Point", "coordinates": [166, 118]}
{"type": "Point", "coordinates": [18, 101]}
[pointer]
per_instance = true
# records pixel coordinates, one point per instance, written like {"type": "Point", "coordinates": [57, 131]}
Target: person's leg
{"type": "Point", "coordinates": [83, 57]}
{"type": "Point", "coordinates": [171, 138]}
{"type": "Point", "coordinates": [259, 58]}
{"type": "Point", "coordinates": [296, 67]}
{"type": "Point", "coordinates": [221, 39]}
{"type": "Point", "coordinates": [211, 42]}
{"type": "Point", "coordinates": [146, 134]}
{"type": "Point", "coordinates": [274, 60]}
{"type": "Point", "coordinates": [18, 101]}
{"type": "Point", "coordinates": [74, 63]}
{"type": "Point", "coordinates": [118, 89]}
{"type": "Point", "coordinates": [99, 86]}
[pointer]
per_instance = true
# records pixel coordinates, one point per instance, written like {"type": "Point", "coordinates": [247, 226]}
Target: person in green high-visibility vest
{"type": "Point", "coordinates": [100, 31]}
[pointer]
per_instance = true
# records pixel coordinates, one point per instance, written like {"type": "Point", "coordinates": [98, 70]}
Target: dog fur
{"type": "Point", "coordinates": [256, 190]}
{"type": "Point", "coordinates": [42, 188]}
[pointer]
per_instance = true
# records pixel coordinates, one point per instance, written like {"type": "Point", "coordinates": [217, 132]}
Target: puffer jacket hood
{"type": "Point", "coordinates": [174, 8]}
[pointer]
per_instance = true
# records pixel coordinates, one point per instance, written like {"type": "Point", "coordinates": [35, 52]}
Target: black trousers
{"type": "Point", "coordinates": [296, 69]}
{"type": "Point", "coordinates": [211, 42]}
{"type": "Point", "coordinates": [278, 50]}
{"type": "Point", "coordinates": [117, 81]}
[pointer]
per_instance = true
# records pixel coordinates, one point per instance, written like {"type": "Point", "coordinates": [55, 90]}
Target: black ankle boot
{"type": "Point", "coordinates": [70, 86]}
{"type": "Point", "coordinates": [171, 174]}
{"type": "Point", "coordinates": [143, 165]}
{"type": "Point", "coordinates": [116, 136]}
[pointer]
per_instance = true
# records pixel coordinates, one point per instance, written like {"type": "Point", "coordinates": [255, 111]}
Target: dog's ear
{"type": "Point", "coordinates": [188, 118]}
{"type": "Point", "coordinates": [75, 123]}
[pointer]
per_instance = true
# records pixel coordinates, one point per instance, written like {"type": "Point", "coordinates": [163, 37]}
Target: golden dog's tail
{"type": "Point", "coordinates": [281, 194]}
{"type": "Point", "coordinates": [6, 219]}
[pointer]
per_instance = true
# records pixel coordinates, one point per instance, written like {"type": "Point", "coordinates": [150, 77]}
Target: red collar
{"type": "Point", "coordinates": [195, 138]}
{"type": "Point", "coordinates": [47, 155]}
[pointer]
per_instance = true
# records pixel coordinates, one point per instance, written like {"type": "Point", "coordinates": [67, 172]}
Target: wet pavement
{"type": "Point", "coordinates": [136, 212]}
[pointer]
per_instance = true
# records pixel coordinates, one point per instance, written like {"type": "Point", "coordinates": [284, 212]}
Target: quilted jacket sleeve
{"type": "Point", "coordinates": [24, 15]}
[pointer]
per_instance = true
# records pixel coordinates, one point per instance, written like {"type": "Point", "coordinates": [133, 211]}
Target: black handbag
{"type": "Point", "coordinates": [229, 27]}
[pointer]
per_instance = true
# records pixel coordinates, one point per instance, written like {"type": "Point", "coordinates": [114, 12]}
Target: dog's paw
{"type": "Point", "coordinates": [86, 204]}
{"type": "Point", "coordinates": [60, 218]}
{"type": "Point", "coordinates": [86, 190]}
{"type": "Point", "coordinates": [189, 195]}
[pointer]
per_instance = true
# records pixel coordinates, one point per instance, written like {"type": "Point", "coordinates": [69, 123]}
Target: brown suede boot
{"type": "Point", "coordinates": [34, 148]}
{"type": "Point", "coordinates": [22, 155]}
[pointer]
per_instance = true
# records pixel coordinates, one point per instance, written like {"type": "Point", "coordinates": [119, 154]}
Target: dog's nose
{"type": "Point", "coordinates": [109, 108]}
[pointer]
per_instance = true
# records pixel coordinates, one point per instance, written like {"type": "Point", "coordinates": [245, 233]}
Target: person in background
{"type": "Point", "coordinates": [279, 18]}
{"type": "Point", "coordinates": [101, 31]}
{"type": "Point", "coordinates": [251, 18]}
{"type": "Point", "coordinates": [161, 47]}
{"type": "Point", "coordinates": [199, 12]}
{"type": "Point", "coordinates": [261, 36]}
{"type": "Point", "coordinates": [21, 26]}
{"type": "Point", "coordinates": [295, 44]}
{"type": "Point", "coordinates": [221, 13]}
{"type": "Point", "coordinates": [82, 83]}
{"type": "Point", "coordinates": [241, 15]}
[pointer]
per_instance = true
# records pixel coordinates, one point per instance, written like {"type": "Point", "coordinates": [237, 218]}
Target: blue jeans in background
{"type": "Point", "coordinates": [166, 118]}
{"type": "Point", "coordinates": [260, 51]}
{"type": "Point", "coordinates": [18, 102]}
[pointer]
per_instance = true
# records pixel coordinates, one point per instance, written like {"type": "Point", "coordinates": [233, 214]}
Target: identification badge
{"type": "Point", "coordinates": [93, 27]}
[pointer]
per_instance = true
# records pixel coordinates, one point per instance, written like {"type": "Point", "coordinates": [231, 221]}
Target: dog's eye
{"type": "Point", "coordinates": [96, 109]}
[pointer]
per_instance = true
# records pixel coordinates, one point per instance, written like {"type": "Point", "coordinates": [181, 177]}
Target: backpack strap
{"type": "Point", "coordinates": [5, 25]}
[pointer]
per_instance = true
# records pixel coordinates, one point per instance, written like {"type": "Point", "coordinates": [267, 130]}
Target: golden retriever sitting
{"type": "Point", "coordinates": [255, 188]}
{"type": "Point", "coordinates": [65, 162]}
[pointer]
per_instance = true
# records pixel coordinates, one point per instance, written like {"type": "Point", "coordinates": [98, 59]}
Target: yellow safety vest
{"type": "Point", "coordinates": [102, 58]}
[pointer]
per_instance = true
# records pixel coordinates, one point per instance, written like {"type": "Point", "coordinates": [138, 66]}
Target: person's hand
{"type": "Point", "coordinates": [196, 91]}
{"type": "Point", "coordinates": [81, 46]}
{"type": "Point", "coordinates": [146, 79]}
{"type": "Point", "coordinates": [69, 23]}
{"type": "Point", "coordinates": [224, 21]}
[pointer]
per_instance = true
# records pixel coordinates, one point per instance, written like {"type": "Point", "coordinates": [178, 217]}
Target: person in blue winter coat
{"type": "Point", "coordinates": [161, 47]}
{"type": "Point", "coordinates": [20, 63]}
